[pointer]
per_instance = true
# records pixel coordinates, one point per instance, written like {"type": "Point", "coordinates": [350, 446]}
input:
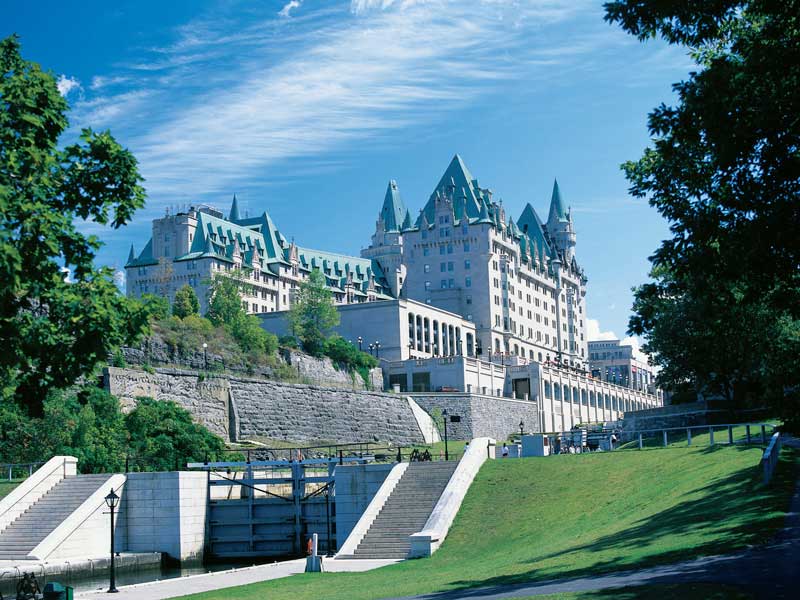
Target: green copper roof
{"type": "Point", "coordinates": [131, 255]}
{"type": "Point", "coordinates": [145, 257]}
{"type": "Point", "coordinates": [234, 214]}
{"type": "Point", "coordinates": [530, 224]}
{"type": "Point", "coordinates": [393, 211]}
{"type": "Point", "coordinates": [557, 212]}
{"type": "Point", "coordinates": [456, 175]}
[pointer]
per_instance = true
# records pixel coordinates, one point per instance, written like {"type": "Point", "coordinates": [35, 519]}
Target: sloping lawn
{"type": "Point", "coordinates": [6, 487]}
{"type": "Point", "coordinates": [534, 519]}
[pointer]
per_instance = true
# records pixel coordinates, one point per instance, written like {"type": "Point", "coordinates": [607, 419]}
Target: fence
{"type": "Point", "coordinates": [19, 470]}
{"type": "Point", "coordinates": [771, 455]}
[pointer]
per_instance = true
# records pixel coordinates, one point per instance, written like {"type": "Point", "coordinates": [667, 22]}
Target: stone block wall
{"type": "Point", "coordinates": [206, 398]}
{"type": "Point", "coordinates": [308, 413]}
{"type": "Point", "coordinates": [482, 416]}
{"type": "Point", "coordinates": [689, 414]}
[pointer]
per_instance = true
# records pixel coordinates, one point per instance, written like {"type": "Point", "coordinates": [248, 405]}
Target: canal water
{"type": "Point", "coordinates": [129, 577]}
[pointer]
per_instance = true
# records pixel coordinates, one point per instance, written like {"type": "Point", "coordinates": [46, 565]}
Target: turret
{"type": "Point", "coordinates": [233, 216]}
{"type": "Point", "coordinates": [560, 227]}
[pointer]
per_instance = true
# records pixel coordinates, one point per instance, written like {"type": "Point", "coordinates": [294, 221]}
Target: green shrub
{"type": "Point", "coordinates": [288, 341]}
{"type": "Point", "coordinates": [186, 302]}
{"type": "Point", "coordinates": [118, 360]}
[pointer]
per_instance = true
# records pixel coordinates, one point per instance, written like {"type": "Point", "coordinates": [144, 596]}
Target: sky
{"type": "Point", "coordinates": [306, 109]}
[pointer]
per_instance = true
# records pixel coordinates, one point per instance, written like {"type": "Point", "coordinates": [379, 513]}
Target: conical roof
{"type": "Point", "coordinates": [393, 211]}
{"type": "Point", "coordinates": [557, 212]}
{"type": "Point", "coordinates": [234, 214]}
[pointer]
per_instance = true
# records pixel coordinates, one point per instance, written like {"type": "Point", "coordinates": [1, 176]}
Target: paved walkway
{"type": "Point", "coordinates": [182, 586]}
{"type": "Point", "coordinates": [769, 571]}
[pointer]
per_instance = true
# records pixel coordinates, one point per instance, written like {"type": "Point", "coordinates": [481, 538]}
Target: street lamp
{"type": "Point", "coordinates": [410, 348]}
{"type": "Point", "coordinates": [205, 355]}
{"type": "Point", "coordinates": [377, 349]}
{"type": "Point", "coordinates": [521, 429]}
{"type": "Point", "coordinates": [370, 349]}
{"type": "Point", "coordinates": [446, 454]}
{"type": "Point", "coordinates": [112, 500]}
{"type": "Point", "coordinates": [360, 339]}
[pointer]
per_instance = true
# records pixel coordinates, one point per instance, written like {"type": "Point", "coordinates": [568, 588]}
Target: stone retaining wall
{"type": "Point", "coordinates": [689, 414]}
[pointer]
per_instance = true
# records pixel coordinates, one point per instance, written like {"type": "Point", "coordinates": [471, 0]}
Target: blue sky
{"type": "Point", "coordinates": [306, 109]}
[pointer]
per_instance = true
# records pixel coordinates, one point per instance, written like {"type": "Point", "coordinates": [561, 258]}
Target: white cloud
{"type": "Point", "coordinates": [66, 85]}
{"type": "Point", "coordinates": [289, 7]}
{"type": "Point", "coordinates": [593, 332]}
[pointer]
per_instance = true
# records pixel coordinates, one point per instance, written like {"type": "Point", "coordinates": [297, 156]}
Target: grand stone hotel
{"type": "Point", "coordinates": [461, 299]}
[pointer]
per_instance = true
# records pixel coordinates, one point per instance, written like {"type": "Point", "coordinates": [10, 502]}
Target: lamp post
{"type": "Point", "coordinates": [360, 340]}
{"type": "Point", "coordinates": [410, 348]}
{"type": "Point", "coordinates": [112, 500]}
{"type": "Point", "coordinates": [205, 355]}
{"type": "Point", "coordinates": [446, 453]}
{"type": "Point", "coordinates": [370, 349]}
{"type": "Point", "coordinates": [521, 429]}
{"type": "Point", "coordinates": [377, 349]}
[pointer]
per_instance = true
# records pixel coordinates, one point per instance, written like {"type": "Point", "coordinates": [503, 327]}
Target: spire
{"type": "Point", "coordinates": [234, 214]}
{"type": "Point", "coordinates": [557, 212]}
{"type": "Point", "coordinates": [393, 210]}
{"type": "Point", "coordinates": [422, 222]}
{"type": "Point", "coordinates": [406, 222]}
{"type": "Point", "coordinates": [131, 255]}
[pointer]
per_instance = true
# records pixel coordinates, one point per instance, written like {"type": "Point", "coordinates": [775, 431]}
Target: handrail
{"type": "Point", "coordinates": [11, 466]}
{"type": "Point", "coordinates": [771, 455]}
{"type": "Point", "coordinates": [5, 506]}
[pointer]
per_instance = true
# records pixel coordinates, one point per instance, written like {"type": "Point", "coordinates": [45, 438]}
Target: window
{"type": "Point", "coordinates": [464, 228]}
{"type": "Point", "coordinates": [444, 284]}
{"type": "Point", "coordinates": [452, 283]}
{"type": "Point", "coordinates": [469, 298]}
{"type": "Point", "coordinates": [467, 265]}
{"type": "Point", "coordinates": [450, 266]}
{"type": "Point", "coordinates": [466, 246]}
{"type": "Point", "coordinates": [449, 248]}
{"type": "Point", "coordinates": [426, 251]}
{"type": "Point", "coordinates": [427, 268]}
{"type": "Point", "coordinates": [468, 283]}
{"type": "Point", "coordinates": [442, 267]}
{"type": "Point", "coordinates": [427, 285]}
{"type": "Point", "coordinates": [441, 249]}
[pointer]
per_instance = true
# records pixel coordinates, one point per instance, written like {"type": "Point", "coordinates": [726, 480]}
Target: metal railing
{"type": "Point", "coordinates": [771, 455]}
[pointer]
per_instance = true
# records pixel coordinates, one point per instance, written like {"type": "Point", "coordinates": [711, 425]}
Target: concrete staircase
{"type": "Point", "coordinates": [406, 510]}
{"type": "Point", "coordinates": [19, 539]}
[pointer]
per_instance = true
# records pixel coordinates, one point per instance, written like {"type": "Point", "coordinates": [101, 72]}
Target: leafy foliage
{"type": "Point", "coordinates": [90, 425]}
{"type": "Point", "coordinates": [722, 314]}
{"type": "Point", "coordinates": [54, 331]}
{"type": "Point", "coordinates": [225, 310]}
{"type": "Point", "coordinates": [186, 302]}
{"type": "Point", "coordinates": [313, 314]}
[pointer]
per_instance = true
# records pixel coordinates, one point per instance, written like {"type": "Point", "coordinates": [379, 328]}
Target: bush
{"type": "Point", "coordinates": [157, 307]}
{"type": "Point", "coordinates": [346, 354]}
{"type": "Point", "coordinates": [288, 341]}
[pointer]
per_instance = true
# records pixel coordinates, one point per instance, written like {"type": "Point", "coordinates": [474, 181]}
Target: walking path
{"type": "Point", "coordinates": [770, 571]}
{"type": "Point", "coordinates": [182, 586]}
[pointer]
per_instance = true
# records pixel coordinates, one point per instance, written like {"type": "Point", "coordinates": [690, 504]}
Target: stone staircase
{"type": "Point", "coordinates": [406, 510]}
{"type": "Point", "coordinates": [21, 536]}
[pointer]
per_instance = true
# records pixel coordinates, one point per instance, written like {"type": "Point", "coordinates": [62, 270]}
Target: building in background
{"type": "Point", "coordinates": [623, 365]}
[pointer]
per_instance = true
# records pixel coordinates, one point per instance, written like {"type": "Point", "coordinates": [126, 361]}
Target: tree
{"type": "Point", "coordinates": [225, 309]}
{"type": "Point", "coordinates": [163, 435]}
{"type": "Point", "coordinates": [186, 302]}
{"type": "Point", "coordinates": [54, 331]}
{"type": "Point", "coordinates": [313, 314]}
{"type": "Point", "coordinates": [723, 311]}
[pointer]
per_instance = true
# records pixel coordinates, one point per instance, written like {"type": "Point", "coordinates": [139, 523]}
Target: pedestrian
{"type": "Point", "coordinates": [505, 451]}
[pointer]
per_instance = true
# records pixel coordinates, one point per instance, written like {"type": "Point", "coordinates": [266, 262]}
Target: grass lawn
{"type": "Point", "coordinates": [533, 519]}
{"type": "Point", "coordinates": [6, 486]}
{"type": "Point", "coordinates": [684, 591]}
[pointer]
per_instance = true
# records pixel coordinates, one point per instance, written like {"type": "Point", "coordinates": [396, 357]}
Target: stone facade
{"type": "Point", "coordinates": [482, 416]}
{"type": "Point", "coordinates": [322, 371]}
